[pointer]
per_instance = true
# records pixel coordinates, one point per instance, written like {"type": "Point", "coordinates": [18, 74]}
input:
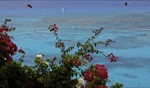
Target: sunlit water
{"type": "Point", "coordinates": [128, 26]}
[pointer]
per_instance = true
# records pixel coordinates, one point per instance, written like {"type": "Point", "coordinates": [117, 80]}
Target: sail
{"type": "Point", "coordinates": [63, 10]}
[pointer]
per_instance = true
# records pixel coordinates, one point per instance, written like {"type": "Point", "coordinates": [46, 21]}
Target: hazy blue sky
{"type": "Point", "coordinates": [47, 3]}
{"type": "Point", "coordinates": [74, 0]}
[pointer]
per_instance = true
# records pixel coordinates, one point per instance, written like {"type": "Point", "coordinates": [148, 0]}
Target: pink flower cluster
{"type": "Point", "coordinates": [87, 57]}
{"type": "Point", "coordinates": [53, 27]}
{"type": "Point", "coordinates": [59, 44]}
{"type": "Point", "coordinates": [75, 62]}
{"type": "Point", "coordinates": [112, 57]}
{"type": "Point", "coordinates": [88, 76]}
{"type": "Point", "coordinates": [7, 47]}
{"type": "Point", "coordinates": [21, 51]}
{"type": "Point", "coordinates": [100, 86]}
{"type": "Point", "coordinates": [97, 74]}
{"type": "Point", "coordinates": [101, 71]}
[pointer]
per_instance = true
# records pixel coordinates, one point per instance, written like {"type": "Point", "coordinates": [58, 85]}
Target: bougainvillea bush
{"type": "Point", "coordinates": [67, 72]}
{"type": "Point", "coordinates": [7, 47]}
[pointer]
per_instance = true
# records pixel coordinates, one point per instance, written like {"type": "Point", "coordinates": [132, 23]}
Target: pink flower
{"type": "Point", "coordinates": [54, 28]}
{"type": "Point", "coordinates": [87, 57]}
{"type": "Point", "coordinates": [112, 57]}
{"type": "Point", "coordinates": [100, 86]}
{"type": "Point", "coordinates": [1, 30]}
{"type": "Point", "coordinates": [76, 62]}
{"type": "Point", "coordinates": [59, 45]}
{"type": "Point", "coordinates": [88, 75]}
{"type": "Point", "coordinates": [21, 51]}
{"type": "Point", "coordinates": [101, 71]}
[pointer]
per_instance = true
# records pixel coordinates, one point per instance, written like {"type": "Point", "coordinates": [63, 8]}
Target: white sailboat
{"type": "Point", "coordinates": [63, 10]}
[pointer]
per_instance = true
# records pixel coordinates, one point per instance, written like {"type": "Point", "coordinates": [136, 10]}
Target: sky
{"type": "Point", "coordinates": [19, 4]}
{"type": "Point", "coordinates": [74, 0]}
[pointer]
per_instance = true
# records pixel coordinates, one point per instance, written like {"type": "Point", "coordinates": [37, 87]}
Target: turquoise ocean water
{"type": "Point", "coordinates": [128, 26]}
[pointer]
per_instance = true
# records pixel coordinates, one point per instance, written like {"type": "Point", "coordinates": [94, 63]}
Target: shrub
{"type": "Point", "coordinates": [7, 47]}
{"type": "Point", "coordinates": [47, 72]}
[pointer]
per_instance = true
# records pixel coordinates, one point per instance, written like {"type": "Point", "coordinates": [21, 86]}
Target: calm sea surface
{"type": "Point", "coordinates": [128, 25]}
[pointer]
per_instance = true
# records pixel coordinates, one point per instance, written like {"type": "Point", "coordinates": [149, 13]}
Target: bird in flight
{"type": "Point", "coordinates": [126, 3]}
{"type": "Point", "coordinates": [29, 5]}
